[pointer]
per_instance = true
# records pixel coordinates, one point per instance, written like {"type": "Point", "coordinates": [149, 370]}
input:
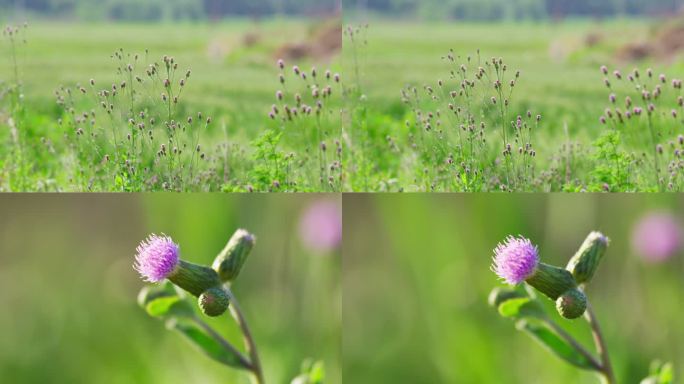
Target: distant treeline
{"type": "Point", "coordinates": [166, 9]}
{"type": "Point", "coordinates": [513, 9]}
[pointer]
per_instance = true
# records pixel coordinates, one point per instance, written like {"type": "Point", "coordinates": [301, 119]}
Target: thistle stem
{"type": "Point", "coordinates": [575, 344]}
{"type": "Point", "coordinates": [250, 345]}
{"type": "Point", "coordinates": [599, 341]}
{"type": "Point", "coordinates": [225, 344]}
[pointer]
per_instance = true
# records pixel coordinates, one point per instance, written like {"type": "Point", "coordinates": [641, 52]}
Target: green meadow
{"type": "Point", "coordinates": [560, 79]}
{"type": "Point", "coordinates": [233, 81]}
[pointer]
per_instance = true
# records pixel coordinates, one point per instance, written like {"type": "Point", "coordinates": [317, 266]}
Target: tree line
{"type": "Point", "coordinates": [166, 9]}
{"type": "Point", "coordinates": [514, 9]}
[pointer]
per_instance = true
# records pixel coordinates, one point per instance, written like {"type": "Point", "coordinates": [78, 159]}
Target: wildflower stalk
{"type": "Point", "coordinates": [158, 259]}
{"type": "Point", "coordinates": [601, 348]}
{"type": "Point", "coordinates": [517, 260]}
{"type": "Point", "coordinates": [250, 345]}
{"type": "Point", "coordinates": [573, 342]}
{"type": "Point", "coordinates": [224, 343]}
{"type": "Point", "coordinates": [654, 144]}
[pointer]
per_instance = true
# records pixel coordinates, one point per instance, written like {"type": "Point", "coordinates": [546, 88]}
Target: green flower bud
{"type": "Point", "coordinates": [571, 304]}
{"type": "Point", "coordinates": [229, 262]}
{"type": "Point", "coordinates": [194, 278]}
{"type": "Point", "coordinates": [550, 280]}
{"type": "Point", "coordinates": [499, 295]}
{"type": "Point", "coordinates": [585, 262]}
{"type": "Point", "coordinates": [213, 301]}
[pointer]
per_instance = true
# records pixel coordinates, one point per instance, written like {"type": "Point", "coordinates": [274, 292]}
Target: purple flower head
{"type": "Point", "coordinates": [157, 257]}
{"type": "Point", "coordinates": [515, 259]}
{"type": "Point", "coordinates": [320, 227]}
{"type": "Point", "coordinates": [657, 237]}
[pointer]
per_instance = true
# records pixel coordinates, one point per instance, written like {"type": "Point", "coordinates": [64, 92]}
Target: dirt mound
{"type": "Point", "coordinates": [665, 44]}
{"type": "Point", "coordinates": [323, 43]}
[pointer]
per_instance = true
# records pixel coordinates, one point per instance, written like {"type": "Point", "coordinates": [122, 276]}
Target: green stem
{"type": "Point", "coordinates": [250, 345]}
{"type": "Point", "coordinates": [225, 344]}
{"type": "Point", "coordinates": [654, 144]}
{"type": "Point", "coordinates": [574, 343]}
{"type": "Point", "coordinates": [607, 368]}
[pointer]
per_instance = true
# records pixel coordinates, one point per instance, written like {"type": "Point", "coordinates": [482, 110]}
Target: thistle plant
{"type": "Point", "coordinates": [134, 130]}
{"type": "Point", "coordinates": [517, 262]}
{"type": "Point", "coordinates": [646, 108]}
{"type": "Point", "coordinates": [304, 111]}
{"type": "Point", "coordinates": [12, 90]}
{"type": "Point", "coordinates": [158, 261]}
{"type": "Point", "coordinates": [464, 130]}
{"type": "Point", "coordinates": [355, 125]}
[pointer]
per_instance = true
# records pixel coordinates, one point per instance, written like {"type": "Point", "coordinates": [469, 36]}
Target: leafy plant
{"type": "Point", "coordinates": [517, 261]}
{"type": "Point", "coordinates": [158, 260]}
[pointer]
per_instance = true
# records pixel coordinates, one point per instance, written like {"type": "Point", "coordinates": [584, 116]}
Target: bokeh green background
{"type": "Point", "coordinates": [68, 289]}
{"type": "Point", "coordinates": [416, 279]}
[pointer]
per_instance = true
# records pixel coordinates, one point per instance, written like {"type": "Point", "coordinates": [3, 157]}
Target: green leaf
{"type": "Point", "coordinates": [163, 301]}
{"type": "Point", "coordinates": [659, 373]}
{"type": "Point", "coordinates": [161, 306]}
{"type": "Point", "coordinates": [520, 307]}
{"type": "Point", "coordinates": [208, 344]}
{"type": "Point", "coordinates": [313, 372]}
{"type": "Point", "coordinates": [499, 295]}
{"type": "Point", "coordinates": [151, 292]}
{"type": "Point", "coordinates": [555, 344]}
{"type": "Point", "coordinates": [666, 375]}
{"type": "Point", "coordinates": [317, 373]}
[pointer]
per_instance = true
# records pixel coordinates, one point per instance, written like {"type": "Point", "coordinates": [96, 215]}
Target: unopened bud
{"type": "Point", "coordinates": [214, 301]}
{"type": "Point", "coordinates": [194, 278]}
{"type": "Point", "coordinates": [552, 281]}
{"type": "Point", "coordinates": [571, 304]}
{"type": "Point", "coordinates": [584, 263]}
{"type": "Point", "coordinates": [229, 262]}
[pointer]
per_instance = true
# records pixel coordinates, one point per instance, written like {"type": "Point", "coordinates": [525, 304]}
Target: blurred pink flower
{"type": "Point", "coordinates": [657, 236]}
{"type": "Point", "coordinates": [320, 227]}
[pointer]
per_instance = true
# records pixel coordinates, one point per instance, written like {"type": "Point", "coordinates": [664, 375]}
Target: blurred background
{"type": "Point", "coordinates": [68, 289]}
{"type": "Point", "coordinates": [557, 45]}
{"type": "Point", "coordinates": [230, 46]}
{"type": "Point", "coordinates": [416, 276]}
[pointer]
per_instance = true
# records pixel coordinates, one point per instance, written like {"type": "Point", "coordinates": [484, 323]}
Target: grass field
{"type": "Point", "coordinates": [234, 79]}
{"type": "Point", "coordinates": [560, 80]}
{"type": "Point", "coordinates": [425, 317]}
{"type": "Point", "coordinates": [365, 136]}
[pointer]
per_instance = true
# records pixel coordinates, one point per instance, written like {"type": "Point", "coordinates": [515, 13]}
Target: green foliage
{"type": "Point", "coordinates": [206, 343]}
{"type": "Point", "coordinates": [471, 122]}
{"type": "Point", "coordinates": [131, 128]}
{"type": "Point", "coordinates": [520, 308]}
{"type": "Point", "coordinates": [531, 318]}
{"type": "Point", "coordinates": [271, 162]}
{"type": "Point", "coordinates": [550, 340]}
{"type": "Point", "coordinates": [313, 372]}
{"type": "Point", "coordinates": [660, 373]}
{"type": "Point", "coordinates": [613, 169]}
